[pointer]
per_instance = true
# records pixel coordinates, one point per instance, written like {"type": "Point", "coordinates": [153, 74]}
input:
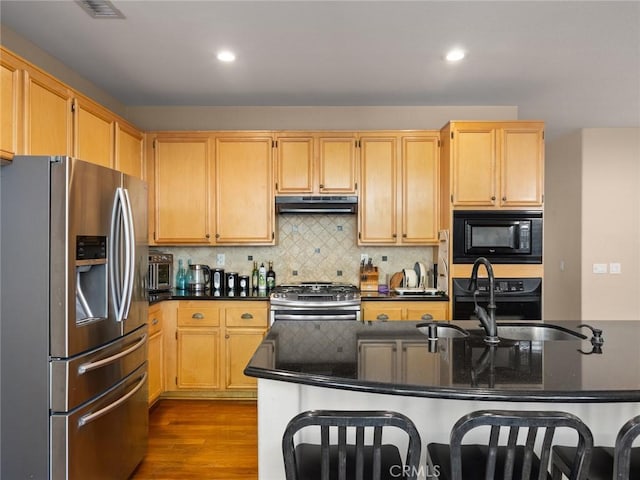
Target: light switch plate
{"type": "Point", "coordinates": [220, 259]}
{"type": "Point", "coordinates": [599, 268]}
{"type": "Point", "coordinates": [615, 268]}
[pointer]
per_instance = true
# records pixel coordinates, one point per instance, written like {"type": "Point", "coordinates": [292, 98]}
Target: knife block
{"type": "Point", "coordinates": [368, 279]}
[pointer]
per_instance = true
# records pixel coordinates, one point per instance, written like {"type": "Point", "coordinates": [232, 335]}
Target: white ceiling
{"type": "Point", "coordinates": [573, 64]}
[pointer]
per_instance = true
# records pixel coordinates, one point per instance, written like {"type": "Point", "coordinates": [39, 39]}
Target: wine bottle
{"type": "Point", "coordinates": [254, 276]}
{"type": "Point", "coordinates": [271, 277]}
{"type": "Point", "coordinates": [181, 276]}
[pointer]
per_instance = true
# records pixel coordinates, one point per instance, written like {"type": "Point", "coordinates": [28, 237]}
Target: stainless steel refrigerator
{"type": "Point", "coordinates": [73, 333]}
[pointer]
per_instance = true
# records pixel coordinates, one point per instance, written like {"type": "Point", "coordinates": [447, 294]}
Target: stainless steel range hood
{"type": "Point", "coordinates": [317, 204]}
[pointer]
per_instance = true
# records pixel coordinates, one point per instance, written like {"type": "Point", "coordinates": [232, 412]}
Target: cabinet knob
{"type": "Point", "coordinates": [504, 199]}
{"type": "Point", "coordinates": [154, 321]}
{"type": "Point", "coordinates": [207, 235]}
{"type": "Point", "coordinates": [226, 336]}
{"type": "Point", "coordinates": [404, 235]}
{"type": "Point", "coordinates": [493, 198]}
{"type": "Point", "coordinates": [197, 316]}
{"type": "Point", "coordinates": [322, 185]}
{"type": "Point", "coordinates": [246, 316]}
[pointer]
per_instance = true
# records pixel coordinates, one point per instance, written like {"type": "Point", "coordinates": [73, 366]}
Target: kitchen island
{"type": "Point", "coordinates": [303, 365]}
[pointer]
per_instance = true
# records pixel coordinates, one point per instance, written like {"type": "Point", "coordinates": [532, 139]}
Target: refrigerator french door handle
{"type": "Point", "coordinates": [87, 367]}
{"type": "Point", "coordinates": [90, 417]}
{"type": "Point", "coordinates": [114, 254]}
{"type": "Point", "coordinates": [130, 253]}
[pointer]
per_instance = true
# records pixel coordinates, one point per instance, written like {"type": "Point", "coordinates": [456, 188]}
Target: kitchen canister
{"type": "Point", "coordinates": [218, 282]}
{"type": "Point", "coordinates": [232, 281]}
{"type": "Point", "coordinates": [244, 283]}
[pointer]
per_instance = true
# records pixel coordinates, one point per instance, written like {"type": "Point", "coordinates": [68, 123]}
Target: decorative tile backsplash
{"type": "Point", "coordinates": [310, 248]}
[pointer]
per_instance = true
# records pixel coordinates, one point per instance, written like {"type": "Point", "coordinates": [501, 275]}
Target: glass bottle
{"type": "Point", "coordinates": [181, 276]}
{"type": "Point", "coordinates": [254, 276]}
{"type": "Point", "coordinates": [271, 277]}
{"type": "Point", "coordinates": [262, 278]}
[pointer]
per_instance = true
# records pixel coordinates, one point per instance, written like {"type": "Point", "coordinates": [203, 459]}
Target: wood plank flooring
{"type": "Point", "coordinates": [201, 439]}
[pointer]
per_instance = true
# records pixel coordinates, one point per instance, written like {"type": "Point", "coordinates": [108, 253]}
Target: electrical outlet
{"type": "Point", "coordinates": [220, 259]}
{"type": "Point", "coordinates": [615, 268]}
{"type": "Point", "coordinates": [364, 257]}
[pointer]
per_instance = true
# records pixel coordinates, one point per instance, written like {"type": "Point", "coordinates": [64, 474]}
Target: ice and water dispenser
{"type": "Point", "coordinates": [91, 278]}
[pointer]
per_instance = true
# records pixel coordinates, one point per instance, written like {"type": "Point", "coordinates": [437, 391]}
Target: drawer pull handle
{"type": "Point", "coordinates": [154, 321]}
{"type": "Point", "coordinates": [197, 316]}
{"type": "Point", "coordinates": [383, 317]}
{"type": "Point", "coordinates": [246, 316]}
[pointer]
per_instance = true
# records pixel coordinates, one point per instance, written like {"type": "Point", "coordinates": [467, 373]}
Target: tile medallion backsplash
{"type": "Point", "coordinates": [310, 248]}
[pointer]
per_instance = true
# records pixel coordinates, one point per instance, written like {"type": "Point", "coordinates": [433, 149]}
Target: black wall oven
{"type": "Point", "coordinates": [511, 236]}
{"type": "Point", "coordinates": [516, 298]}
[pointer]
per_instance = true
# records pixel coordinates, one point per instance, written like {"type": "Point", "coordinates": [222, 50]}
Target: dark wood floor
{"type": "Point", "coordinates": [201, 439]}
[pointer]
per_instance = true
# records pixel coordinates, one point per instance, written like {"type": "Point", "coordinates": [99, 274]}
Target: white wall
{"type": "Point", "coordinates": [592, 215]}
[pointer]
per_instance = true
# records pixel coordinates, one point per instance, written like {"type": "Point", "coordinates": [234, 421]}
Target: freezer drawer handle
{"type": "Point", "coordinates": [86, 367]}
{"type": "Point", "coordinates": [90, 417]}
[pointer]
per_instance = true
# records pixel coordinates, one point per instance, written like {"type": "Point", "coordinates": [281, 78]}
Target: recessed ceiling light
{"type": "Point", "coordinates": [226, 56]}
{"type": "Point", "coordinates": [455, 55]}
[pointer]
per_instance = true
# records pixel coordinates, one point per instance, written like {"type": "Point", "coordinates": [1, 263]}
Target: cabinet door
{"type": "Point", "coordinates": [474, 166]}
{"type": "Point", "coordinates": [129, 150]}
{"type": "Point", "coordinates": [11, 111]}
{"type": "Point", "coordinates": [378, 189]}
{"type": "Point", "coordinates": [94, 133]}
{"type": "Point", "coordinates": [182, 201]}
{"type": "Point", "coordinates": [295, 172]}
{"type": "Point", "coordinates": [420, 191]}
{"type": "Point", "coordinates": [337, 164]}
{"type": "Point", "coordinates": [377, 360]}
{"type": "Point", "coordinates": [48, 115]}
{"type": "Point", "coordinates": [198, 358]}
{"type": "Point", "coordinates": [240, 345]}
{"type": "Point", "coordinates": [417, 365]}
{"type": "Point", "coordinates": [522, 175]}
{"type": "Point", "coordinates": [245, 211]}
{"type": "Point", "coordinates": [155, 353]}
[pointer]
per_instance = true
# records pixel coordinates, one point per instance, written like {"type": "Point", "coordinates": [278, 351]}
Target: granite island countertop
{"type": "Point", "coordinates": [396, 358]}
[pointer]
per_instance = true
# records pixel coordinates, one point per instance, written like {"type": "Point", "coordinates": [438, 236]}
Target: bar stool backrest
{"type": "Point", "coordinates": [513, 421]}
{"type": "Point", "coordinates": [359, 420]}
{"type": "Point", "coordinates": [622, 460]}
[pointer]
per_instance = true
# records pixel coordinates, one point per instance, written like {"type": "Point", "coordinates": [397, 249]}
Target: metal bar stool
{"type": "Point", "coordinates": [621, 462]}
{"type": "Point", "coordinates": [342, 460]}
{"type": "Point", "coordinates": [492, 461]}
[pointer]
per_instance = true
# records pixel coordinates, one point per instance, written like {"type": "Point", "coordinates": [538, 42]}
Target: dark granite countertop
{"type": "Point", "coordinates": [205, 295]}
{"type": "Point", "coordinates": [337, 355]}
{"type": "Point", "coordinates": [412, 297]}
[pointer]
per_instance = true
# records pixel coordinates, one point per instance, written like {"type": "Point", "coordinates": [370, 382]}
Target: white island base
{"type": "Point", "coordinates": [279, 401]}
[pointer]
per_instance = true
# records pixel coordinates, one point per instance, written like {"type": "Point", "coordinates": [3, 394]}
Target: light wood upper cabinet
{"type": "Point", "coordinates": [129, 150]}
{"type": "Point", "coordinates": [245, 210]}
{"type": "Point", "coordinates": [94, 133]}
{"type": "Point", "coordinates": [399, 176]}
{"type": "Point", "coordinates": [377, 214]}
{"type": "Point", "coordinates": [420, 180]}
{"type": "Point", "coordinates": [48, 115]}
{"type": "Point", "coordinates": [182, 189]}
{"type": "Point", "coordinates": [10, 99]}
{"type": "Point", "coordinates": [316, 163]}
{"type": "Point", "coordinates": [496, 164]}
{"type": "Point", "coordinates": [337, 163]}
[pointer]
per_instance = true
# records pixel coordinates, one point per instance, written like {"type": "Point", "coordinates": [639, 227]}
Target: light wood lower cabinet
{"type": "Point", "coordinates": [155, 353]}
{"type": "Point", "coordinates": [403, 361]}
{"type": "Point", "coordinates": [212, 344]}
{"type": "Point", "coordinates": [404, 310]}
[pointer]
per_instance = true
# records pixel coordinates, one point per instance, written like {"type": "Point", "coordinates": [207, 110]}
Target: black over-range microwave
{"type": "Point", "coordinates": [506, 236]}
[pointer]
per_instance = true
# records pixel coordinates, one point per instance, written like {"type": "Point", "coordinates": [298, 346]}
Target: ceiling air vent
{"type": "Point", "coordinates": [100, 9]}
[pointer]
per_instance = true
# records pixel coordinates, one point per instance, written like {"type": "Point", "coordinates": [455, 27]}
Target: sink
{"type": "Point", "coordinates": [435, 330]}
{"type": "Point", "coordinates": [537, 332]}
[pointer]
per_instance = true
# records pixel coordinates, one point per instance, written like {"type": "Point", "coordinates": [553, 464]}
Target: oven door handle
{"type": "Point", "coordinates": [286, 316]}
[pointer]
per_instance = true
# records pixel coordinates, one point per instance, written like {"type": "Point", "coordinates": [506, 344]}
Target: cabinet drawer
{"type": "Point", "coordinates": [155, 320]}
{"type": "Point", "coordinates": [382, 313]}
{"type": "Point", "coordinates": [198, 317]}
{"type": "Point", "coordinates": [246, 316]}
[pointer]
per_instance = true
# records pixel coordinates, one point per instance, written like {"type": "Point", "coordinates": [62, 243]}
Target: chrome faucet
{"type": "Point", "coordinates": [487, 317]}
